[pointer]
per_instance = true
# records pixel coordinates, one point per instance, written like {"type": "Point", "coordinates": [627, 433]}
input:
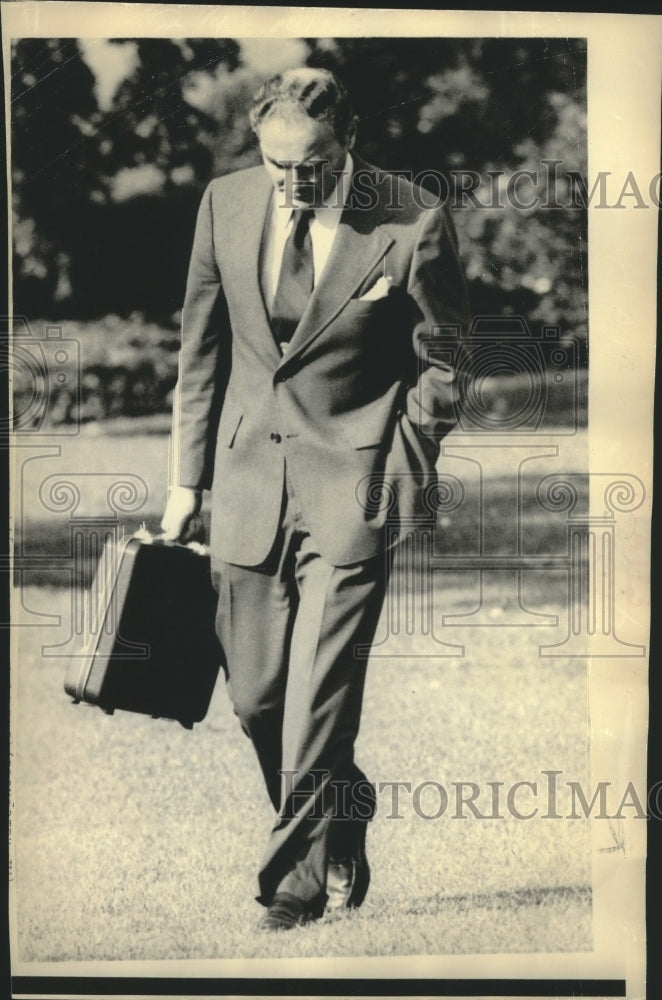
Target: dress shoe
{"type": "Point", "coordinates": [284, 912]}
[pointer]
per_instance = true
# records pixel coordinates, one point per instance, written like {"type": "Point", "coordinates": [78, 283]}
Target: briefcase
{"type": "Point", "coordinates": [151, 647]}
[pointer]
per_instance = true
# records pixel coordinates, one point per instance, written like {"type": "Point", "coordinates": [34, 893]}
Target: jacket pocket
{"type": "Point", "coordinates": [228, 427]}
{"type": "Point", "coordinates": [370, 427]}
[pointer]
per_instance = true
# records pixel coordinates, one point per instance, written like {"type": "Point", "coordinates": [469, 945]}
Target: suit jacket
{"type": "Point", "coordinates": [358, 404]}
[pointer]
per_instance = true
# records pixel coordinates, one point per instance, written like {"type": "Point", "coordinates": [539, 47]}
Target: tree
{"type": "Point", "coordinates": [55, 166]}
{"type": "Point", "coordinates": [151, 123]}
{"type": "Point", "coordinates": [106, 199]}
{"type": "Point", "coordinates": [484, 104]}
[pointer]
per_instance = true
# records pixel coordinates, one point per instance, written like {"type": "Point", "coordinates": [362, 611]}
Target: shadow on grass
{"type": "Point", "coordinates": [505, 900]}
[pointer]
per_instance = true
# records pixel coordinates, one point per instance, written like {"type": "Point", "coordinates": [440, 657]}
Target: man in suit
{"type": "Point", "coordinates": [311, 405]}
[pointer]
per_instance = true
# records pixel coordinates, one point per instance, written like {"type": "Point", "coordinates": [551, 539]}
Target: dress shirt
{"type": "Point", "coordinates": [323, 229]}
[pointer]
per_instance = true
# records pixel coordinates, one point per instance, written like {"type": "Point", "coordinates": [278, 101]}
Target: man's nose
{"type": "Point", "coordinates": [301, 173]}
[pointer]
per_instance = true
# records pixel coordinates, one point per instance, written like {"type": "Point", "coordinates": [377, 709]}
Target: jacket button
{"type": "Point", "coordinates": [276, 438]}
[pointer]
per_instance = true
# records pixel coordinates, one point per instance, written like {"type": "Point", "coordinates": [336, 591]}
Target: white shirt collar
{"type": "Point", "coordinates": [323, 229]}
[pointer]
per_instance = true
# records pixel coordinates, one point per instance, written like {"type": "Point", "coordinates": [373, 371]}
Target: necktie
{"type": "Point", "coordinates": [295, 281]}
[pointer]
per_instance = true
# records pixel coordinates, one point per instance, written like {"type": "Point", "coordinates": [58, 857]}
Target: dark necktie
{"type": "Point", "coordinates": [295, 281]}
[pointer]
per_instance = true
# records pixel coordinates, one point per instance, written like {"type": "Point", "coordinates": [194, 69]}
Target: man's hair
{"type": "Point", "coordinates": [316, 93]}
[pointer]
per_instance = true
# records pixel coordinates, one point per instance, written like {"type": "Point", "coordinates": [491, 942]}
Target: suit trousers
{"type": "Point", "coordinates": [296, 632]}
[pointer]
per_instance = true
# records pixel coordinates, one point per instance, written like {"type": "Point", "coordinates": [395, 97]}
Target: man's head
{"type": "Point", "coordinates": [305, 126]}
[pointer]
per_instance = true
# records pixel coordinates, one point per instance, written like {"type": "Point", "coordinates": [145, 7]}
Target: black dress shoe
{"type": "Point", "coordinates": [285, 912]}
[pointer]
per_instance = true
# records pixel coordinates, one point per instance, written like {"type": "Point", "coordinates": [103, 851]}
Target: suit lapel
{"type": "Point", "coordinates": [358, 246]}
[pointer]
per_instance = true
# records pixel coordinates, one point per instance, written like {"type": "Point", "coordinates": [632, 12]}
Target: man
{"type": "Point", "coordinates": [310, 404]}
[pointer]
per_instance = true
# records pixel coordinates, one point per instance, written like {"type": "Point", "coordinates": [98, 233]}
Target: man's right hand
{"type": "Point", "coordinates": [183, 505]}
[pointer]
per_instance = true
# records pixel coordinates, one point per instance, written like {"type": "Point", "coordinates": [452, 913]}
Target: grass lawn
{"type": "Point", "coordinates": [136, 839]}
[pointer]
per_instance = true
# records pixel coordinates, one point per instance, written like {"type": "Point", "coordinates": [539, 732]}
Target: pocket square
{"type": "Point", "coordinates": [379, 290]}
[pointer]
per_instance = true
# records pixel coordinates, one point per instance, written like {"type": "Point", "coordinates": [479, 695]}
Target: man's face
{"type": "Point", "coordinates": [300, 156]}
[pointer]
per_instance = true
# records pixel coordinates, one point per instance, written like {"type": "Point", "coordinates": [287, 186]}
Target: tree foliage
{"type": "Point", "coordinates": [482, 105]}
{"type": "Point", "coordinates": [105, 197]}
{"type": "Point", "coordinates": [55, 163]}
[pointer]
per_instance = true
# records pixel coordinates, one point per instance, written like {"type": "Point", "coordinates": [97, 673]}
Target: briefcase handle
{"type": "Point", "coordinates": [195, 534]}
